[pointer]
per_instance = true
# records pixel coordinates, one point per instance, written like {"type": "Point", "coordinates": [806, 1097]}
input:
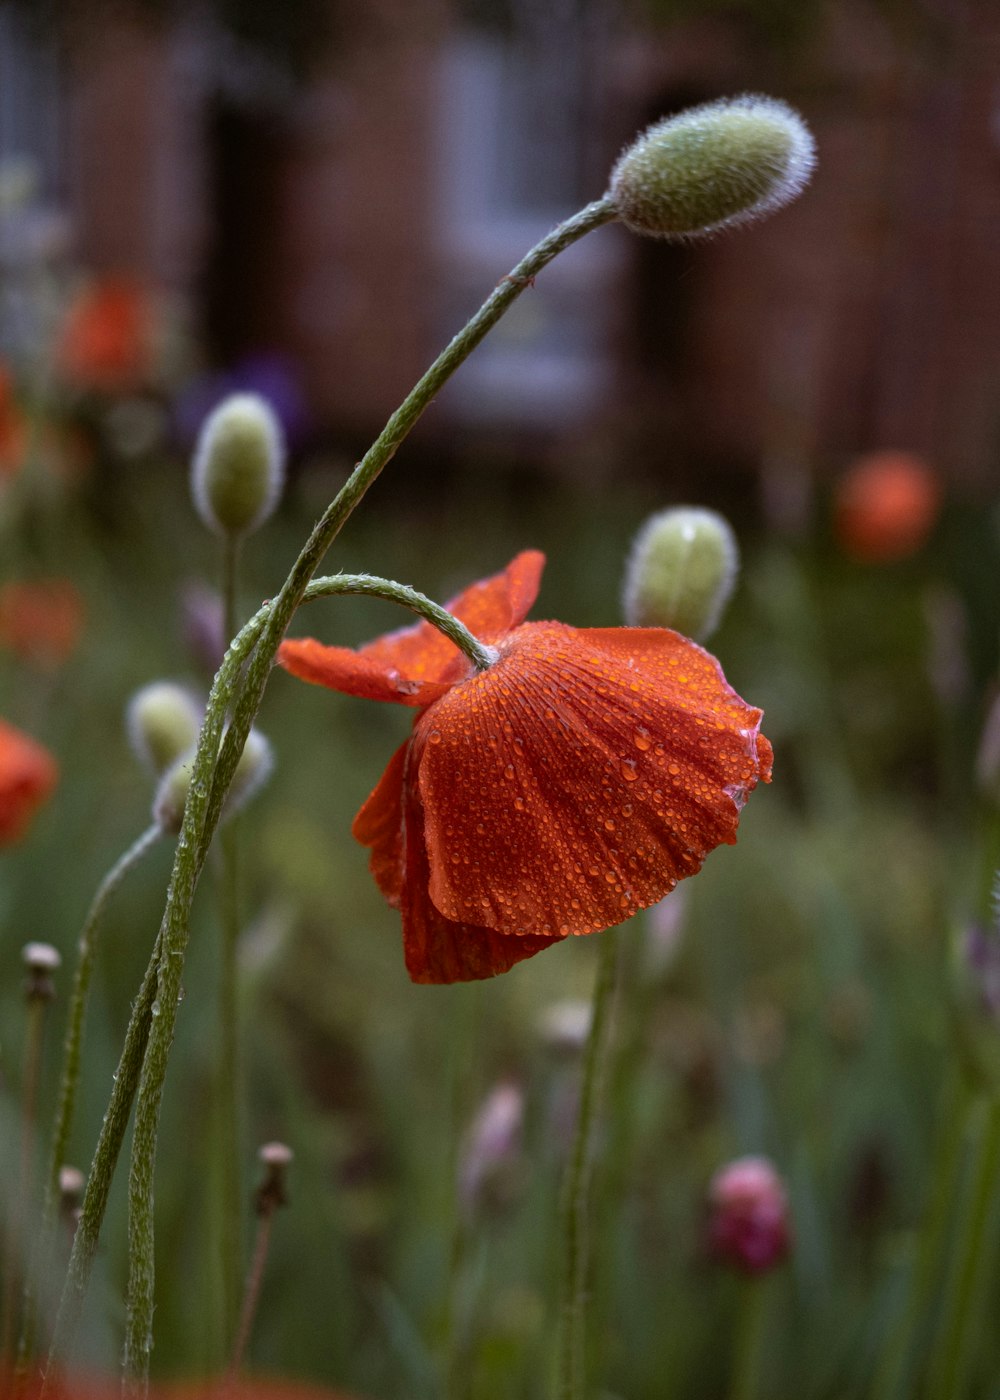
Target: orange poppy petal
{"type": "Point", "coordinates": [28, 774]}
{"type": "Point", "coordinates": [580, 777]}
{"type": "Point", "coordinates": [379, 824]}
{"type": "Point", "coordinates": [438, 949]}
{"type": "Point", "coordinates": [355, 673]}
{"type": "Point", "coordinates": [415, 665]}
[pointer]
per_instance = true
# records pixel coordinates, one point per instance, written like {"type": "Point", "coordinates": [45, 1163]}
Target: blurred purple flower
{"type": "Point", "coordinates": [492, 1148]}
{"type": "Point", "coordinates": [982, 957]}
{"type": "Point", "coordinates": [272, 375]}
{"type": "Point", "coordinates": [749, 1224]}
{"type": "Point", "coordinates": [203, 625]}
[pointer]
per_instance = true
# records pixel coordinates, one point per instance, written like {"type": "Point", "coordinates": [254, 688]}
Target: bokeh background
{"type": "Point", "coordinates": [307, 199]}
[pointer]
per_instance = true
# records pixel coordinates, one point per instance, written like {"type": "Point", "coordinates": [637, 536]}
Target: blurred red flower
{"type": "Point", "coordinates": [27, 775]}
{"type": "Point", "coordinates": [13, 427]}
{"type": "Point", "coordinates": [107, 338]}
{"type": "Point", "coordinates": [559, 792]}
{"type": "Point", "coordinates": [749, 1224]}
{"type": "Point", "coordinates": [41, 620]}
{"type": "Point", "coordinates": [885, 506]}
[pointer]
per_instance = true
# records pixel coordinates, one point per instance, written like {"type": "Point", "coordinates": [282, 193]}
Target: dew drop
{"type": "Point", "coordinates": [519, 803]}
{"type": "Point", "coordinates": [508, 772]}
{"type": "Point", "coordinates": [642, 740]}
{"type": "Point", "coordinates": [434, 737]}
{"type": "Point", "coordinates": [628, 770]}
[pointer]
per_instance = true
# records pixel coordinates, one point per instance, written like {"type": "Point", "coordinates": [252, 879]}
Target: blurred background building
{"type": "Point", "coordinates": [334, 186]}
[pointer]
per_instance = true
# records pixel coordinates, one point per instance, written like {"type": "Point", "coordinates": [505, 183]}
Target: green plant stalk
{"type": "Point", "coordinates": [749, 1343]}
{"type": "Point", "coordinates": [976, 1243]}
{"type": "Point", "coordinates": [34, 1042]}
{"type": "Point", "coordinates": [70, 1078]}
{"type": "Point", "coordinates": [213, 771]}
{"type": "Point", "coordinates": [229, 1106]}
{"type": "Point", "coordinates": [894, 1372]}
{"type": "Point", "coordinates": [571, 1338]}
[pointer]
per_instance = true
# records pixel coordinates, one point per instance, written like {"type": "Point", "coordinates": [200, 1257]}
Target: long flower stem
{"type": "Point", "coordinates": [228, 1085]}
{"type": "Point", "coordinates": [571, 1350]}
{"type": "Point", "coordinates": [749, 1341]}
{"type": "Point", "coordinates": [976, 1244]}
{"type": "Point", "coordinates": [70, 1077]}
{"type": "Point", "coordinates": [19, 1230]}
{"type": "Point", "coordinates": [207, 793]}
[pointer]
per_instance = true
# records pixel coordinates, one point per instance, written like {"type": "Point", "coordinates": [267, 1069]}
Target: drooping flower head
{"type": "Point", "coordinates": [558, 792]}
{"type": "Point", "coordinates": [27, 776]}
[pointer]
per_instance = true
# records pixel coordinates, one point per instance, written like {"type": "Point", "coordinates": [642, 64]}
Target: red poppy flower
{"type": "Point", "coordinates": [886, 505]}
{"type": "Point", "coordinates": [107, 339]}
{"type": "Point", "coordinates": [41, 620]}
{"type": "Point", "coordinates": [562, 790]}
{"type": "Point", "coordinates": [27, 776]}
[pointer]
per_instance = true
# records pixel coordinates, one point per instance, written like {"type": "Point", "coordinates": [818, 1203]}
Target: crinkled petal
{"type": "Point", "coordinates": [28, 774]}
{"type": "Point", "coordinates": [415, 665]}
{"type": "Point", "coordinates": [581, 776]}
{"type": "Point", "coordinates": [436, 948]}
{"type": "Point", "coordinates": [379, 824]}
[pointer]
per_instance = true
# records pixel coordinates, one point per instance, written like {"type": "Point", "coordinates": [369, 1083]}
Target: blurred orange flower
{"type": "Point", "coordinates": [41, 620]}
{"type": "Point", "coordinates": [107, 338]}
{"type": "Point", "coordinates": [558, 792]}
{"type": "Point", "coordinates": [13, 427]}
{"type": "Point", "coordinates": [27, 775]}
{"type": "Point", "coordinates": [886, 505]}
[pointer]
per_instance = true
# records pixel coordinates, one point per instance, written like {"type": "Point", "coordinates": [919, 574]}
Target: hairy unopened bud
{"type": "Point", "coordinates": [171, 795]}
{"type": "Point", "coordinates": [252, 772]}
{"type": "Point", "coordinates": [163, 722]}
{"type": "Point", "coordinates": [239, 465]}
{"type": "Point", "coordinates": [681, 572]}
{"type": "Point", "coordinates": [713, 167]}
{"type": "Point", "coordinates": [749, 1224]}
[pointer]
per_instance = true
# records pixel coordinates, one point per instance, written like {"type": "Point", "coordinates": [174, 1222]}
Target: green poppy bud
{"type": "Point", "coordinates": [171, 795]}
{"type": "Point", "coordinates": [681, 572]}
{"type": "Point", "coordinates": [239, 465]}
{"type": "Point", "coordinates": [252, 772]}
{"type": "Point", "coordinates": [162, 720]}
{"type": "Point", "coordinates": [713, 167]}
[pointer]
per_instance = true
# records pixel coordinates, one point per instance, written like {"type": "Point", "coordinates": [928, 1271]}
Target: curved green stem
{"type": "Point", "coordinates": [571, 1351]}
{"type": "Point", "coordinates": [70, 1078]}
{"type": "Point", "coordinates": [228, 1085]}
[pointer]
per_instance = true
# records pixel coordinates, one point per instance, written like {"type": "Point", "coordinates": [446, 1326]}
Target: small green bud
{"type": "Point", "coordinates": [713, 167]}
{"type": "Point", "coordinates": [162, 720]}
{"type": "Point", "coordinates": [239, 465]}
{"type": "Point", "coordinates": [252, 772]}
{"type": "Point", "coordinates": [171, 795]}
{"type": "Point", "coordinates": [681, 572]}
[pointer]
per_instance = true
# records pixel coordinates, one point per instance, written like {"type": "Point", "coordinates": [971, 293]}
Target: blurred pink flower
{"type": "Point", "coordinates": [749, 1223]}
